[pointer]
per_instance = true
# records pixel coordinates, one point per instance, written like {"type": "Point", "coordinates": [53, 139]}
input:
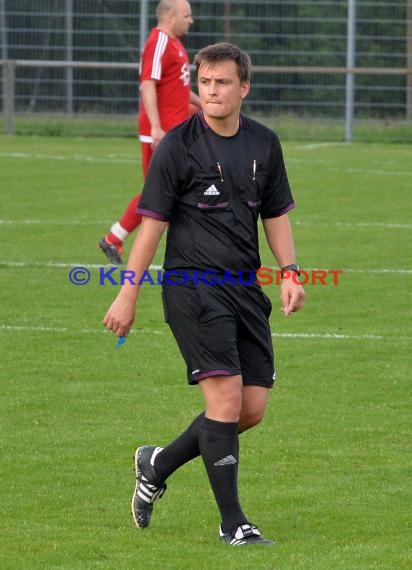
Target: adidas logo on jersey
{"type": "Point", "coordinates": [229, 460]}
{"type": "Point", "coordinates": [211, 191]}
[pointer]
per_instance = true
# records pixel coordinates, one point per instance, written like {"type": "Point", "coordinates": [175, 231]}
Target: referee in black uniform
{"type": "Point", "coordinates": [208, 182]}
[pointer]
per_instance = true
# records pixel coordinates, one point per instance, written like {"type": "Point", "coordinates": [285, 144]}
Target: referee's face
{"type": "Point", "coordinates": [220, 90]}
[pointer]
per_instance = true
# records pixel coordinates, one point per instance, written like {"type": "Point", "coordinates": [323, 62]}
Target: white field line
{"type": "Point", "coordinates": [116, 159]}
{"type": "Point", "coordinates": [370, 171]}
{"type": "Point", "coordinates": [385, 225]}
{"type": "Point", "coordinates": [337, 336]}
{"type": "Point", "coordinates": [55, 222]}
{"type": "Point", "coordinates": [153, 267]}
{"type": "Point", "coordinates": [159, 267]}
{"type": "Point", "coordinates": [320, 336]}
{"type": "Point", "coordinates": [327, 166]}
{"type": "Point", "coordinates": [76, 157]}
{"type": "Point", "coordinates": [64, 330]}
{"type": "Point", "coordinates": [311, 146]}
{"type": "Point", "coordinates": [34, 222]}
{"type": "Point", "coordinates": [57, 265]}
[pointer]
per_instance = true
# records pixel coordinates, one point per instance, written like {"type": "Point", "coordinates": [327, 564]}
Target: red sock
{"type": "Point", "coordinates": [128, 222]}
{"type": "Point", "coordinates": [131, 219]}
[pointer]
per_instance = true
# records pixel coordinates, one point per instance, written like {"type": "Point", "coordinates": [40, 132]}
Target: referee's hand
{"type": "Point", "coordinates": [157, 134]}
{"type": "Point", "coordinates": [120, 316]}
{"type": "Point", "coordinates": [292, 296]}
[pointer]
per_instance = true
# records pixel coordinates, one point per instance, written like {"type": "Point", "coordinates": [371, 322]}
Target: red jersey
{"type": "Point", "coordinates": [165, 60]}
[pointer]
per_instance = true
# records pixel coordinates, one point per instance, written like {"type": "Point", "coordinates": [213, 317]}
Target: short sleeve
{"type": "Point", "coordinates": [277, 198]}
{"type": "Point", "coordinates": [153, 55]}
{"type": "Point", "coordinates": [161, 188]}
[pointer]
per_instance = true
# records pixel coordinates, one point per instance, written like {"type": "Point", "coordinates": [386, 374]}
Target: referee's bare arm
{"type": "Point", "coordinates": [121, 314]}
{"type": "Point", "coordinates": [149, 97]}
{"type": "Point", "coordinates": [280, 239]}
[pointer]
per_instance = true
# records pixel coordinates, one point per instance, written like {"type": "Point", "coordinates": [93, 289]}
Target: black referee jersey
{"type": "Point", "coordinates": [212, 190]}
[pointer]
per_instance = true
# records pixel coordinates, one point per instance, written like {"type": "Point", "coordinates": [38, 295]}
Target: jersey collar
{"type": "Point", "coordinates": [206, 127]}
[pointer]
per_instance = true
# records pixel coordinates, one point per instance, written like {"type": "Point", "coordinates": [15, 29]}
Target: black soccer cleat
{"type": "Point", "coordinates": [147, 489]}
{"type": "Point", "coordinates": [111, 251]}
{"type": "Point", "coordinates": [244, 535]}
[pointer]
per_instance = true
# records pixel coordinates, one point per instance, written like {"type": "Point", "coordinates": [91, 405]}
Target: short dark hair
{"type": "Point", "coordinates": [224, 51]}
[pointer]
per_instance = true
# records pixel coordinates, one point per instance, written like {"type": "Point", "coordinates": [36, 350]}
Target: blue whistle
{"type": "Point", "coordinates": [120, 341]}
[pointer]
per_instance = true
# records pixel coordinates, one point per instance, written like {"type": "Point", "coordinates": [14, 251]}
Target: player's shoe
{"type": "Point", "coordinates": [112, 251]}
{"type": "Point", "coordinates": [147, 489]}
{"type": "Point", "coordinates": [244, 535]}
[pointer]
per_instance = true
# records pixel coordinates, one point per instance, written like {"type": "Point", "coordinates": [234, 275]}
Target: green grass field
{"type": "Point", "coordinates": [328, 473]}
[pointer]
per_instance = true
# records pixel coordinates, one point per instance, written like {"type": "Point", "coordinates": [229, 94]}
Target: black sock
{"type": "Point", "coordinates": [180, 451]}
{"type": "Point", "coordinates": [219, 446]}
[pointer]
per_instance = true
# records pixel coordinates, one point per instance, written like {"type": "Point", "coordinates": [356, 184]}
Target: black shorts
{"type": "Point", "coordinates": [222, 330]}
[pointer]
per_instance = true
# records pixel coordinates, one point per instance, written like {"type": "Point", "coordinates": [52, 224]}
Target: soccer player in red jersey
{"type": "Point", "coordinates": [165, 101]}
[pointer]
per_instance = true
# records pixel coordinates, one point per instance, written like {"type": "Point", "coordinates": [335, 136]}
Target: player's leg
{"type": "Point", "coordinates": [205, 330]}
{"type": "Point", "coordinates": [254, 401]}
{"type": "Point", "coordinates": [224, 401]}
{"type": "Point", "coordinates": [186, 446]}
{"type": "Point", "coordinates": [112, 243]}
{"type": "Point", "coordinates": [180, 451]}
{"type": "Point", "coordinates": [219, 444]}
{"type": "Point", "coordinates": [157, 464]}
{"type": "Point", "coordinates": [219, 447]}
{"type": "Point", "coordinates": [256, 356]}
{"type": "Point", "coordinates": [220, 451]}
{"type": "Point", "coordinates": [254, 344]}
{"type": "Point", "coordinates": [223, 404]}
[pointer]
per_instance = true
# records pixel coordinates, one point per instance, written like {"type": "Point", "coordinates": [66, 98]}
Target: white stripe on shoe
{"type": "Point", "coordinates": [154, 454]}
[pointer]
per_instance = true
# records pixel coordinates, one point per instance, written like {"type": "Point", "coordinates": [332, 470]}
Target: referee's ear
{"type": "Point", "coordinates": [245, 89]}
